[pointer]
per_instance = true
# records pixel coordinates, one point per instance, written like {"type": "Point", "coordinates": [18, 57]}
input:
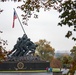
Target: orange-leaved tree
{"type": "Point", "coordinates": [45, 50]}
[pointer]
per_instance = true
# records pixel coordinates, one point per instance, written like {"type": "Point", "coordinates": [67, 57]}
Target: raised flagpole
{"type": "Point", "coordinates": [20, 22]}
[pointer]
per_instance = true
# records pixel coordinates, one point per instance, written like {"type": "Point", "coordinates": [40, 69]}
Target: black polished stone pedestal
{"type": "Point", "coordinates": [13, 66]}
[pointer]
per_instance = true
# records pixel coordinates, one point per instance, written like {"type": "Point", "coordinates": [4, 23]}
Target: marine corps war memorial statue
{"type": "Point", "coordinates": [21, 57]}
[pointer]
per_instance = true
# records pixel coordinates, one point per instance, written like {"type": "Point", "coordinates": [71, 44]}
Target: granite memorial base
{"type": "Point", "coordinates": [15, 66]}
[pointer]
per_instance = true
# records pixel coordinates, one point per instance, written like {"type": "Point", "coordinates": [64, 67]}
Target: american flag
{"type": "Point", "coordinates": [14, 17]}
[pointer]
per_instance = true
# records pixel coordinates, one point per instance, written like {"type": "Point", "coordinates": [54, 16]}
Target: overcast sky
{"type": "Point", "coordinates": [45, 27]}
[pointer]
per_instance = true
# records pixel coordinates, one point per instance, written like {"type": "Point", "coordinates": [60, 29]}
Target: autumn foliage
{"type": "Point", "coordinates": [2, 54]}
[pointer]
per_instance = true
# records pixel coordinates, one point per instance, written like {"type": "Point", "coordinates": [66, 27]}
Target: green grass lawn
{"type": "Point", "coordinates": [54, 70]}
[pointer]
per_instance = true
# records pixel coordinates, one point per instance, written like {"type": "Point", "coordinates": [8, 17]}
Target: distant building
{"type": "Point", "coordinates": [58, 54]}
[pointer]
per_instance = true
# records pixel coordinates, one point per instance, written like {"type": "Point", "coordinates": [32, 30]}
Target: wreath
{"type": "Point", "coordinates": [20, 65]}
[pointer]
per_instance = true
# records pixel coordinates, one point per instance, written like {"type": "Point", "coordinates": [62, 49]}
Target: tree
{"type": "Point", "coordinates": [31, 7]}
{"type": "Point", "coordinates": [66, 8]}
{"type": "Point", "coordinates": [3, 52]}
{"type": "Point", "coordinates": [2, 55]}
{"type": "Point", "coordinates": [65, 58]}
{"type": "Point", "coordinates": [55, 63]}
{"type": "Point", "coordinates": [73, 52]}
{"type": "Point", "coordinates": [68, 16]}
{"type": "Point", "coordinates": [73, 63]}
{"type": "Point", "coordinates": [1, 10]}
{"type": "Point", "coordinates": [44, 50]}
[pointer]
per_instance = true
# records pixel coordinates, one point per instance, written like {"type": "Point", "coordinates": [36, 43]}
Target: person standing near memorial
{"type": "Point", "coordinates": [65, 71]}
{"type": "Point", "coordinates": [47, 69]}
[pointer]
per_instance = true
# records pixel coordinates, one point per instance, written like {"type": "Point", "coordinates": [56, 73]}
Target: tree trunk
{"type": "Point", "coordinates": [71, 73]}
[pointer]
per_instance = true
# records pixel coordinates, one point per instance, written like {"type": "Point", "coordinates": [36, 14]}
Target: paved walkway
{"type": "Point", "coordinates": [25, 74]}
